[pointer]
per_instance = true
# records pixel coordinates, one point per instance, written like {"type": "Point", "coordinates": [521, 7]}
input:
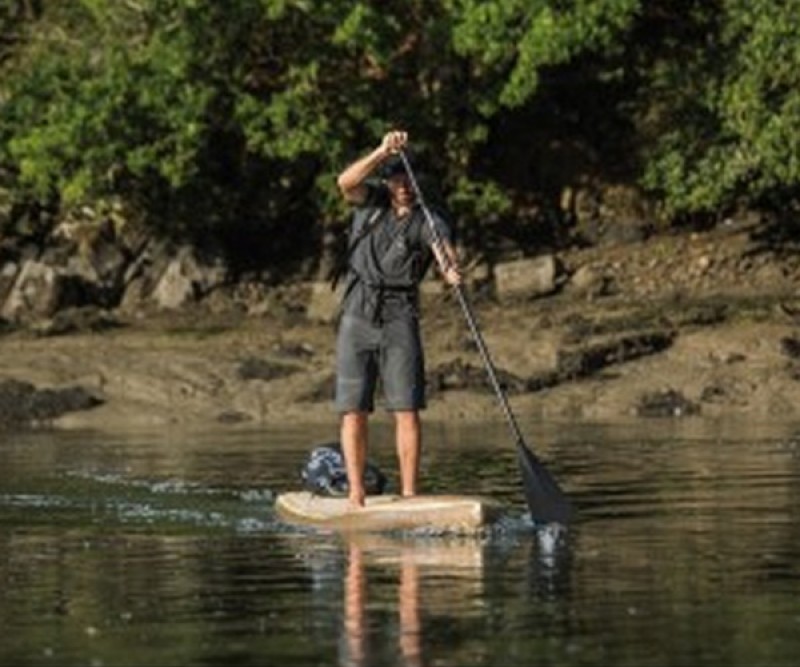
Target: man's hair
{"type": "Point", "coordinates": [394, 166]}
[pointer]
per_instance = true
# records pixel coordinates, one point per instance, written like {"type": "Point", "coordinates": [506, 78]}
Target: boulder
{"type": "Point", "coordinates": [21, 403]}
{"type": "Point", "coordinates": [532, 277]}
{"type": "Point", "coordinates": [186, 279]}
{"type": "Point", "coordinates": [39, 291]}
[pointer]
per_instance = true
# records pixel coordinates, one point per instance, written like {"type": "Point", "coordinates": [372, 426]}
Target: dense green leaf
{"type": "Point", "coordinates": [235, 117]}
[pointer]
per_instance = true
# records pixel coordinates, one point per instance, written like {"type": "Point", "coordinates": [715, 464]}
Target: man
{"type": "Point", "coordinates": [379, 329]}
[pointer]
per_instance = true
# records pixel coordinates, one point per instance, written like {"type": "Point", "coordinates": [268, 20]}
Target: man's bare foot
{"type": "Point", "coordinates": [356, 501]}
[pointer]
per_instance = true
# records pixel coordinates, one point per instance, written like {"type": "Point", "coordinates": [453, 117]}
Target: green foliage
{"type": "Point", "coordinates": [732, 136]}
{"type": "Point", "coordinates": [150, 98]}
{"type": "Point", "coordinates": [122, 101]}
{"type": "Point", "coordinates": [236, 116]}
{"type": "Point", "coordinates": [512, 40]}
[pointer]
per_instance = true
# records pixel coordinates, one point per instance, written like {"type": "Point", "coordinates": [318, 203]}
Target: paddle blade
{"type": "Point", "coordinates": [546, 501]}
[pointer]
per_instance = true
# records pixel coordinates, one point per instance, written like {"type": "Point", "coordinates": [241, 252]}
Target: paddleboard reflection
{"type": "Point", "coordinates": [396, 590]}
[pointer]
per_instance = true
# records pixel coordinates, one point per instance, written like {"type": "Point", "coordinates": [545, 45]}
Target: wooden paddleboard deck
{"type": "Point", "coordinates": [447, 513]}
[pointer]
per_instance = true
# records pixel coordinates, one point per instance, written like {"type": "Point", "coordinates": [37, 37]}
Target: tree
{"type": "Point", "coordinates": [724, 118]}
{"type": "Point", "coordinates": [230, 120]}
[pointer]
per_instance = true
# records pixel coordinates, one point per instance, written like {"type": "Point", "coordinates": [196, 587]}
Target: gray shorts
{"type": "Point", "coordinates": [391, 352]}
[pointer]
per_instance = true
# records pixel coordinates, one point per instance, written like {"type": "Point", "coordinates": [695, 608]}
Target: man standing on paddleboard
{"type": "Point", "coordinates": [390, 248]}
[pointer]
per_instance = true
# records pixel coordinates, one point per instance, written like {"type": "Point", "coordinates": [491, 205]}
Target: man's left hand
{"type": "Point", "coordinates": [452, 275]}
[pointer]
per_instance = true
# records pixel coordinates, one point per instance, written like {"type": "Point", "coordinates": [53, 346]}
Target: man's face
{"type": "Point", "coordinates": [400, 190]}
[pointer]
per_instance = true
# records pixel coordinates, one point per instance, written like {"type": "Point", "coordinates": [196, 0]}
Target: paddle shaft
{"type": "Point", "coordinates": [487, 361]}
{"type": "Point", "coordinates": [442, 258]}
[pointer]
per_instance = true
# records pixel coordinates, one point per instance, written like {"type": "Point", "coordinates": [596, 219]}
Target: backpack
{"type": "Point", "coordinates": [325, 474]}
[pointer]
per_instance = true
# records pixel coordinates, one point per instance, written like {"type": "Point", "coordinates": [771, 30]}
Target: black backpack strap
{"type": "Point", "coordinates": [359, 234]}
{"type": "Point", "coordinates": [424, 253]}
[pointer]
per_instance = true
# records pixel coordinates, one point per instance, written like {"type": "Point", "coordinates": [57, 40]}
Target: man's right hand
{"type": "Point", "coordinates": [393, 142]}
{"type": "Point", "coordinates": [351, 180]}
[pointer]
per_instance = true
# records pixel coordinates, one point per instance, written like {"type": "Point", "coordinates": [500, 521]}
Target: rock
{"type": "Point", "coordinates": [21, 403]}
{"type": "Point", "coordinates": [260, 369]}
{"type": "Point", "coordinates": [669, 403]}
{"type": "Point", "coordinates": [39, 291]}
{"type": "Point", "coordinates": [81, 265]}
{"type": "Point", "coordinates": [581, 362]}
{"type": "Point", "coordinates": [457, 375]}
{"type": "Point", "coordinates": [186, 279]}
{"type": "Point", "coordinates": [527, 277]}
{"type": "Point", "coordinates": [177, 287]}
{"type": "Point", "coordinates": [590, 281]}
{"type": "Point", "coordinates": [233, 417]}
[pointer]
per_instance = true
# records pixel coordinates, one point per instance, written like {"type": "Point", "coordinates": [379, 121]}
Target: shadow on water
{"type": "Point", "coordinates": [163, 548]}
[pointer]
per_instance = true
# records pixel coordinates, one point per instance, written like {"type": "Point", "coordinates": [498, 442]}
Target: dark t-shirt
{"type": "Point", "coordinates": [388, 263]}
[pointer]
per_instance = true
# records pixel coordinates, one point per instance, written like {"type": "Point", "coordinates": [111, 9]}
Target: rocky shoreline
{"type": "Point", "coordinates": [699, 324]}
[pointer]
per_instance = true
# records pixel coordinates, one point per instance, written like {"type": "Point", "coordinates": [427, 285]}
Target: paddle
{"type": "Point", "coordinates": [546, 501]}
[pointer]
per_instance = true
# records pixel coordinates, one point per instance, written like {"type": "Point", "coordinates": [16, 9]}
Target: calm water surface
{"type": "Point", "coordinates": [162, 548]}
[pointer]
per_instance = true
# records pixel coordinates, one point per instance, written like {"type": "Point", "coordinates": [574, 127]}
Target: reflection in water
{"type": "Point", "coordinates": [446, 572]}
{"type": "Point", "coordinates": [550, 565]}
{"type": "Point", "coordinates": [410, 625]}
{"type": "Point", "coordinates": [355, 606]}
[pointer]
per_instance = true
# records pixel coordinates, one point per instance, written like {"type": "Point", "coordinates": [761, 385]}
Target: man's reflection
{"type": "Point", "coordinates": [355, 605]}
{"type": "Point", "coordinates": [467, 567]}
{"type": "Point", "coordinates": [410, 622]}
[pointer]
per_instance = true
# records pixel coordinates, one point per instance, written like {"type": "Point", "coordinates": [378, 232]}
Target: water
{"type": "Point", "coordinates": [162, 548]}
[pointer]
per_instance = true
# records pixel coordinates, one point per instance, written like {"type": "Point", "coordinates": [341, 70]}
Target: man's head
{"type": "Point", "coordinates": [394, 174]}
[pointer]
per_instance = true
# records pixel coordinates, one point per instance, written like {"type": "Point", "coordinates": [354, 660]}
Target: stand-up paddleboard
{"type": "Point", "coordinates": [446, 513]}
